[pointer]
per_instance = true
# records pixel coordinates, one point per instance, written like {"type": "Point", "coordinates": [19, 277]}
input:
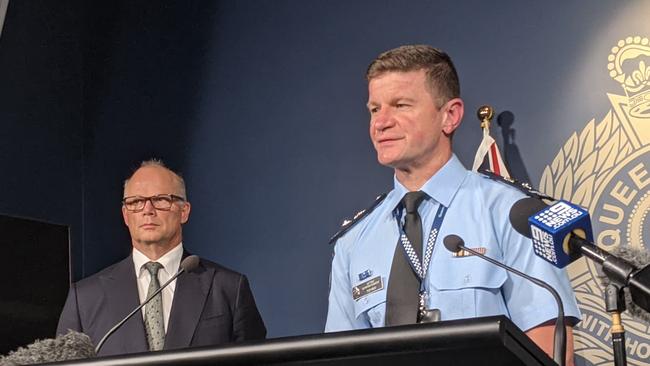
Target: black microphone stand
{"type": "Point", "coordinates": [118, 325]}
{"type": "Point", "coordinates": [559, 339]}
{"type": "Point", "coordinates": [619, 272]}
{"type": "Point", "coordinates": [615, 305]}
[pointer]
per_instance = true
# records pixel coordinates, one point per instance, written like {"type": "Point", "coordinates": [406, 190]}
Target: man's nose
{"type": "Point", "coordinates": [382, 119]}
{"type": "Point", "coordinates": [148, 208]}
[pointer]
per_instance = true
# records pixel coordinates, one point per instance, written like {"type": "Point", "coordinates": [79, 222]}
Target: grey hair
{"type": "Point", "coordinates": [159, 163]}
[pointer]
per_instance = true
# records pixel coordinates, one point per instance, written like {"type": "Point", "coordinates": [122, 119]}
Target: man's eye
{"type": "Point", "coordinates": [134, 202]}
{"type": "Point", "coordinates": [402, 105]}
{"type": "Point", "coordinates": [373, 109]}
{"type": "Point", "coordinates": [160, 199]}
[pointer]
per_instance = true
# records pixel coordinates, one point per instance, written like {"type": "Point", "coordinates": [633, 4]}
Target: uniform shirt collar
{"type": "Point", "coordinates": [442, 186]}
{"type": "Point", "coordinates": [171, 261]}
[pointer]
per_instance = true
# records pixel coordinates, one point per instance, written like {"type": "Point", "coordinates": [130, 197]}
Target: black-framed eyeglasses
{"type": "Point", "coordinates": [161, 202]}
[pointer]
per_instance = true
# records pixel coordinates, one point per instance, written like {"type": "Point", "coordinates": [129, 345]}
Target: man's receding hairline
{"type": "Point", "coordinates": [155, 163]}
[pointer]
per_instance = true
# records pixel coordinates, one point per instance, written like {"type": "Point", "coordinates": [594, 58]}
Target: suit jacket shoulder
{"type": "Point", "coordinates": [98, 302]}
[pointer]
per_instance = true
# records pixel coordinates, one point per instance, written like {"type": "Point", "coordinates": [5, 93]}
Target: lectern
{"type": "Point", "coordinates": [480, 341]}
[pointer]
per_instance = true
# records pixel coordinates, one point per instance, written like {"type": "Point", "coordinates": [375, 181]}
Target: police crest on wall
{"type": "Point", "coordinates": [606, 168]}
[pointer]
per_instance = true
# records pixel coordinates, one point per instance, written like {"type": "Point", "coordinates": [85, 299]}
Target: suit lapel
{"type": "Point", "coordinates": [191, 292]}
{"type": "Point", "coordinates": [122, 297]}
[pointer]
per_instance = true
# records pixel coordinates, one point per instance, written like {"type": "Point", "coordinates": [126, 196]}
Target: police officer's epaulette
{"type": "Point", "coordinates": [526, 188]}
{"type": "Point", "coordinates": [349, 223]}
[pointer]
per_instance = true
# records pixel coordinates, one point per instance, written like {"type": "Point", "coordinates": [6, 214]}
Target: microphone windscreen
{"type": "Point", "coordinates": [453, 243]}
{"type": "Point", "coordinates": [521, 211]}
{"type": "Point", "coordinates": [71, 346]}
{"type": "Point", "coordinates": [639, 258]}
{"type": "Point", "coordinates": [190, 263]}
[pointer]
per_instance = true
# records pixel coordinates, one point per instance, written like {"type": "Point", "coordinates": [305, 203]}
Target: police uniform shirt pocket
{"type": "Point", "coordinates": [466, 287]}
{"type": "Point", "coordinates": [369, 298]}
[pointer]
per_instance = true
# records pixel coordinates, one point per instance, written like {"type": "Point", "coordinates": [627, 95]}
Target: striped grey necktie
{"type": "Point", "coordinates": [153, 312]}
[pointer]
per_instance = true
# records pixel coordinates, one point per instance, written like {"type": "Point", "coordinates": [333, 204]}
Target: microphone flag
{"type": "Point", "coordinates": [552, 227]}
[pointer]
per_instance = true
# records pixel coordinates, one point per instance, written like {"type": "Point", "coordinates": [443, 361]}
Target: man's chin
{"type": "Point", "coordinates": [390, 162]}
{"type": "Point", "coordinates": [150, 240]}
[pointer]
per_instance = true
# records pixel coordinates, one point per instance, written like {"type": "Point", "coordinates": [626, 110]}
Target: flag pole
{"type": "Point", "coordinates": [485, 114]}
{"type": "Point", "coordinates": [488, 152]}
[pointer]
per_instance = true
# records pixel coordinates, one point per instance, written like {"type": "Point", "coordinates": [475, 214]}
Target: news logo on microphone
{"type": "Point", "coordinates": [551, 228]}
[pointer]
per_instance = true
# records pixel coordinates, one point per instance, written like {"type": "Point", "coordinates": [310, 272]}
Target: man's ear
{"type": "Point", "coordinates": [453, 110]}
{"type": "Point", "coordinates": [126, 222]}
{"type": "Point", "coordinates": [185, 212]}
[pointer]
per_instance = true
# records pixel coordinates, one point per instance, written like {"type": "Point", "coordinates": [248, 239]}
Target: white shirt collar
{"type": "Point", "coordinates": [441, 187]}
{"type": "Point", "coordinates": [171, 261]}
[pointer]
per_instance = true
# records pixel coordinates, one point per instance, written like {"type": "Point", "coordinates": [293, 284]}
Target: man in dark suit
{"type": "Point", "coordinates": [208, 306]}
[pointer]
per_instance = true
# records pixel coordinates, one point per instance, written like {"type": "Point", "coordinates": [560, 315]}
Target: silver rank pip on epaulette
{"type": "Point", "coordinates": [526, 188]}
{"type": "Point", "coordinates": [349, 223]}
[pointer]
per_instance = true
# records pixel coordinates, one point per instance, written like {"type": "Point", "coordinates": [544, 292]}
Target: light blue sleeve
{"type": "Point", "coordinates": [528, 304]}
{"type": "Point", "coordinates": [340, 312]}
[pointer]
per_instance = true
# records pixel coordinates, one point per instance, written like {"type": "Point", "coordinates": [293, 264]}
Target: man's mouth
{"type": "Point", "coordinates": [388, 140]}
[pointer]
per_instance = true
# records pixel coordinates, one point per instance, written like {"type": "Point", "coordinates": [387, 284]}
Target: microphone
{"type": "Point", "coordinates": [71, 346]}
{"type": "Point", "coordinates": [561, 233]}
{"type": "Point", "coordinates": [187, 265]}
{"type": "Point", "coordinates": [552, 228]}
{"type": "Point", "coordinates": [455, 244]}
{"type": "Point", "coordinates": [522, 210]}
{"type": "Point", "coordinates": [639, 258]}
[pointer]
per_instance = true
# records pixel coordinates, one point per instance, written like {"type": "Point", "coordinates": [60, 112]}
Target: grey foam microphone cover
{"type": "Point", "coordinates": [453, 243]}
{"type": "Point", "coordinates": [521, 211]}
{"type": "Point", "coordinates": [70, 346]}
{"type": "Point", "coordinates": [190, 263]}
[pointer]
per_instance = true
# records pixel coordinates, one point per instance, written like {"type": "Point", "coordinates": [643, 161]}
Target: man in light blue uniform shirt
{"type": "Point", "coordinates": [415, 106]}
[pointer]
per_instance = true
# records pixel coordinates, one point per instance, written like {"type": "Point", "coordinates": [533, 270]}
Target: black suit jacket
{"type": "Point", "coordinates": [212, 305]}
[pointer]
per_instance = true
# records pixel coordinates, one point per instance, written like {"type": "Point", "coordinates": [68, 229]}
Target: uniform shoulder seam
{"type": "Point", "coordinates": [525, 188]}
{"type": "Point", "coordinates": [349, 223]}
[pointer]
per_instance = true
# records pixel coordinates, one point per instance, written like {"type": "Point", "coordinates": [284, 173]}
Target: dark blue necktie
{"type": "Point", "coordinates": [402, 295]}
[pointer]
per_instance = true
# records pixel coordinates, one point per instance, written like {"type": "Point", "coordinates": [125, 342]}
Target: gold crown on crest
{"type": "Point", "coordinates": [627, 65]}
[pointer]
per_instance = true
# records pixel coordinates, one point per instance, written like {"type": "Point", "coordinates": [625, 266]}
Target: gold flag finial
{"type": "Point", "coordinates": [485, 114]}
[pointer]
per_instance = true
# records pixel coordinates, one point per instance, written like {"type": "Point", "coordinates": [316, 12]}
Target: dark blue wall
{"type": "Point", "coordinates": [260, 104]}
{"type": "Point", "coordinates": [143, 67]}
{"type": "Point", "coordinates": [41, 97]}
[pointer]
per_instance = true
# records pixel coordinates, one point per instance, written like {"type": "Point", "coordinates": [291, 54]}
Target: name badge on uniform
{"type": "Point", "coordinates": [464, 253]}
{"type": "Point", "coordinates": [366, 288]}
